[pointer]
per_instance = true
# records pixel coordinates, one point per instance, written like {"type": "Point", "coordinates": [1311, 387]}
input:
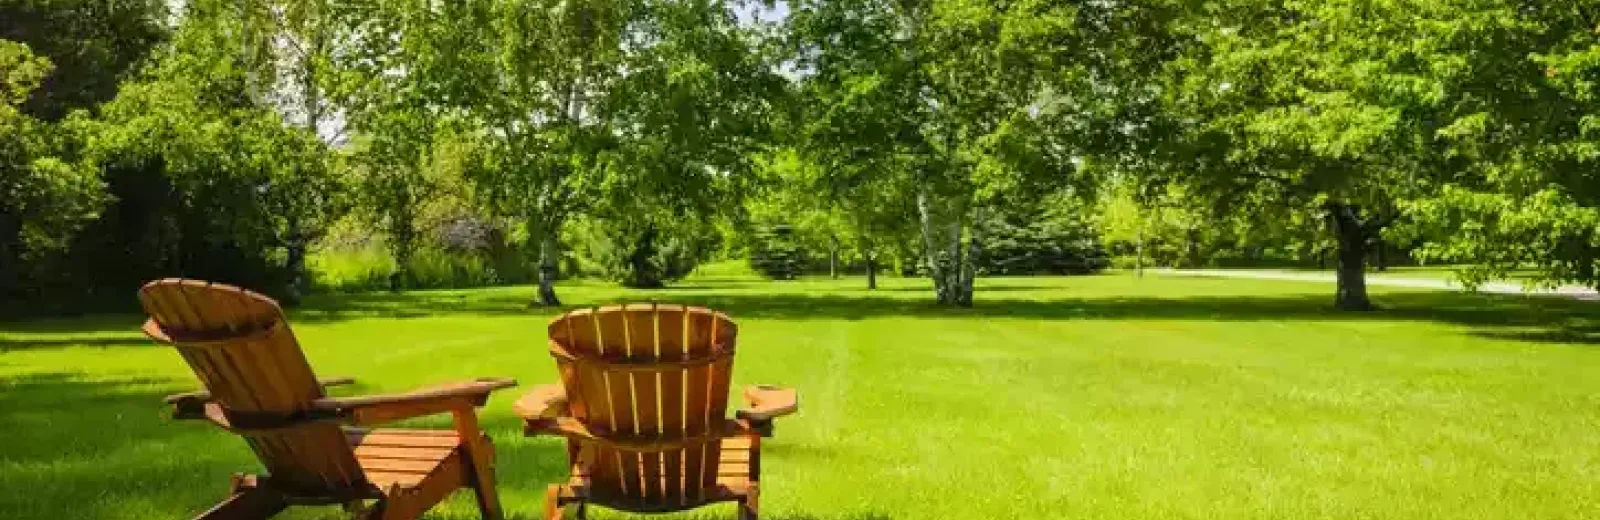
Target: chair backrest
{"type": "Point", "coordinates": [648, 374]}
{"type": "Point", "coordinates": [239, 345]}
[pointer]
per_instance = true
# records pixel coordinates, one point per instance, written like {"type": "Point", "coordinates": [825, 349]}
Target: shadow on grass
{"type": "Point", "coordinates": [1541, 319]}
{"type": "Point", "coordinates": [40, 408]}
{"type": "Point", "coordinates": [9, 344]}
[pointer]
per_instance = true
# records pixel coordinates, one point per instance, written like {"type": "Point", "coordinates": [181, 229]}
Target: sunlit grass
{"type": "Point", "coordinates": [1090, 397]}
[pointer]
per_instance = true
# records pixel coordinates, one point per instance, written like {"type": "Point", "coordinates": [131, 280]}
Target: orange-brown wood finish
{"type": "Point", "coordinates": [259, 385]}
{"type": "Point", "coordinates": [643, 404]}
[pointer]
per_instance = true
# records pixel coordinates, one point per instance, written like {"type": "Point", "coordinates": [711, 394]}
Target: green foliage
{"type": "Point", "coordinates": [94, 44]}
{"type": "Point", "coordinates": [644, 251]}
{"type": "Point", "coordinates": [776, 254]}
{"type": "Point", "coordinates": [200, 180]}
{"type": "Point", "coordinates": [1548, 230]}
{"type": "Point", "coordinates": [1056, 241]}
{"type": "Point", "coordinates": [45, 196]}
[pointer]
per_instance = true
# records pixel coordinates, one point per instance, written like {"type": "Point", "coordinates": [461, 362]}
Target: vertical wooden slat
{"type": "Point", "coordinates": [629, 462]}
{"type": "Point", "coordinates": [584, 332]}
{"type": "Point", "coordinates": [262, 372]}
{"type": "Point", "coordinates": [697, 342]}
{"type": "Point", "coordinates": [669, 333]}
{"type": "Point", "coordinates": [243, 391]}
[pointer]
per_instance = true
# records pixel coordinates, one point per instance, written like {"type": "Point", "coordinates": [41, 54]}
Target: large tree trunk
{"type": "Point", "coordinates": [549, 252]}
{"type": "Point", "coordinates": [1351, 233]}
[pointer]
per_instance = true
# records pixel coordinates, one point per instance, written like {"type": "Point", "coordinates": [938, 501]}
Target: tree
{"type": "Point", "coordinates": [44, 198]}
{"type": "Point", "coordinates": [603, 101]}
{"type": "Point", "coordinates": [1306, 106]}
{"type": "Point", "coordinates": [977, 103]}
{"type": "Point", "coordinates": [1516, 105]}
{"type": "Point", "coordinates": [93, 44]}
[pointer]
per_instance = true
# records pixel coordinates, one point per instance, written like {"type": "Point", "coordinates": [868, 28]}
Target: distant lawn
{"type": "Point", "coordinates": [1056, 398]}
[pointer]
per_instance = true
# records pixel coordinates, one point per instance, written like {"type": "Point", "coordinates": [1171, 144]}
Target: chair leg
{"type": "Point", "coordinates": [552, 502]}
{"type": "Point", "coordinates": [480, 462]}
{"type": "Point", "coordinates": [248, 502]}
{"type": "Point", "coordinates": [750, 505]}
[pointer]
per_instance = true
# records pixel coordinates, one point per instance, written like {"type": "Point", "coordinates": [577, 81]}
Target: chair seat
{"type": "Point", "coordinates": [406, 458]}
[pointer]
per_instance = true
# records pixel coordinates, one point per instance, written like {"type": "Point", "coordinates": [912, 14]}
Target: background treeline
{"type": "Point", "coordinates": [301, 145]}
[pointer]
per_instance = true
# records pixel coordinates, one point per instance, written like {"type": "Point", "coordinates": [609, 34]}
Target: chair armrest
{"type": "Point", "coordinates": [386, 408]}
{"type": "Point", "coordinates": [192, 405]}
{"type": "Point", "coordinates": [543, 402]}
{"type": "Point", "coordinates": [767, 402]}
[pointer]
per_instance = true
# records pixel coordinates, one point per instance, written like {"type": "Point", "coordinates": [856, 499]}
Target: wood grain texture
{"type": "Point", "coordinates": [257, 380]}
{"type": "Point", "coordinates": [657, 441]}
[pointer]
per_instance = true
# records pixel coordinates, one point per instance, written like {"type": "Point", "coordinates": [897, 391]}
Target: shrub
{"type": "Point", "coordinates": [1042, 244]}
{"type": "Point", "coordinates": [643, 251]}
{"type": "Point", "coordinates": [776, 254]}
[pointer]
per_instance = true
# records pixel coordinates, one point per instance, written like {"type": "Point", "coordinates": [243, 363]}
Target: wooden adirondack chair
{"type": "Point", "coordinates": [642, 402]}
{"type": "Point", "coordinates": [258, 385]}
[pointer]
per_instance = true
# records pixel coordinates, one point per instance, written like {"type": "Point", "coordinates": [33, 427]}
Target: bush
{"type": "Point", "coordinates": [776, 254]}
{"type": "Point", "coordinates": [643, 251]}
{"type": "Point", "coordinates": [1038, 244]}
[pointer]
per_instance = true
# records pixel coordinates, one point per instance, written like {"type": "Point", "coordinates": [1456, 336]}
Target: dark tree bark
{"type": "Point", "coordinates": [1380, 257]}
{"type": "Point", "coordinates": [295, 264]}
{"type": "Point", "coordinates": [548, 252]}
{"type": "Point", "coordinates": [1352, 234]}
{"type": "Point", "coordinates": [833, 257]}
{"type": "Point", "coordinates": [872, 271]}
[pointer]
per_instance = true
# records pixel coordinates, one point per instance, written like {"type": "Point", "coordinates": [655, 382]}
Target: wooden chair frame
{"type": "Point", "coordinates": [546, 410]}
{"type": "Point", "coordinates": [201, 317]}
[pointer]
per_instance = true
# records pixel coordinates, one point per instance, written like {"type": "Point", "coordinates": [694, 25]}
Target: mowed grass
{"type": "Point", "coordinates": [1086, 397]}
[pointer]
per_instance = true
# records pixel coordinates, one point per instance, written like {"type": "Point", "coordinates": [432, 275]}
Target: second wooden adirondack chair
{"type": "Point", "coordinates": [642, 402]}
{"type": "Point", "coordinates": [259, 385]}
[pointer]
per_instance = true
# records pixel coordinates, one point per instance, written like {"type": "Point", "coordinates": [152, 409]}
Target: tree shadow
{"type": "Point", "coordinates": [1527, 318]}
{"type": "Point", "coordinates": [41, 407]}
{"type": "Point", "coordinates": [1516, 317]}
{"type": "Point", "coordinates": [404, 305]}
{"type": "Point", "coordinates": [10, 344]}
{"type": "Point", "coordinates": [68, 436]}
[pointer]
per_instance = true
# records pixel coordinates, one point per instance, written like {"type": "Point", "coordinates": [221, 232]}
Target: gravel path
{"type": "Point", "coordinates": [1569, 291]}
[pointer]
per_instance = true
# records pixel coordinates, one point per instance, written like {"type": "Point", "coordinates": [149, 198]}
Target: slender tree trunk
{"type": "Point", "coordinates": [872, 269]}
{"type": "Point", "coordinates": [402, 234]}
{"type": "Point", "coordinates": [1351, 233]}
{"type": "Point", "coordinates": [295, 264]}
{"type": "Point", "coordinates": [932, 248]}
{"type": "Point", "coordinates": [833, 257]}
{"type": "Point", "coordinates": [400, 279]}
{"type": "Point", "coordinates": [299, 238]}
{"type": "Point", "coordinates": [1138, 252]}
{"type": "Point", "coordinates": [969, 264]}
{"type": "Point", "coordinates": [1380, 255]}
{"type": "Point", "coordinates": [549, 254]}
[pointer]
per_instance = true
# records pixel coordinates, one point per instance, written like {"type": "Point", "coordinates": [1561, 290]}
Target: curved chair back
{"type": "Point", "coordinates": [655, 378]}
{"type": "Point", "coordinates": [240, 347]}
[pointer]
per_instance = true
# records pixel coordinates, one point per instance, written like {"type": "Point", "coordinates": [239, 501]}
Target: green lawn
{"type": "Point", "coordinates": [1071, 398]}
